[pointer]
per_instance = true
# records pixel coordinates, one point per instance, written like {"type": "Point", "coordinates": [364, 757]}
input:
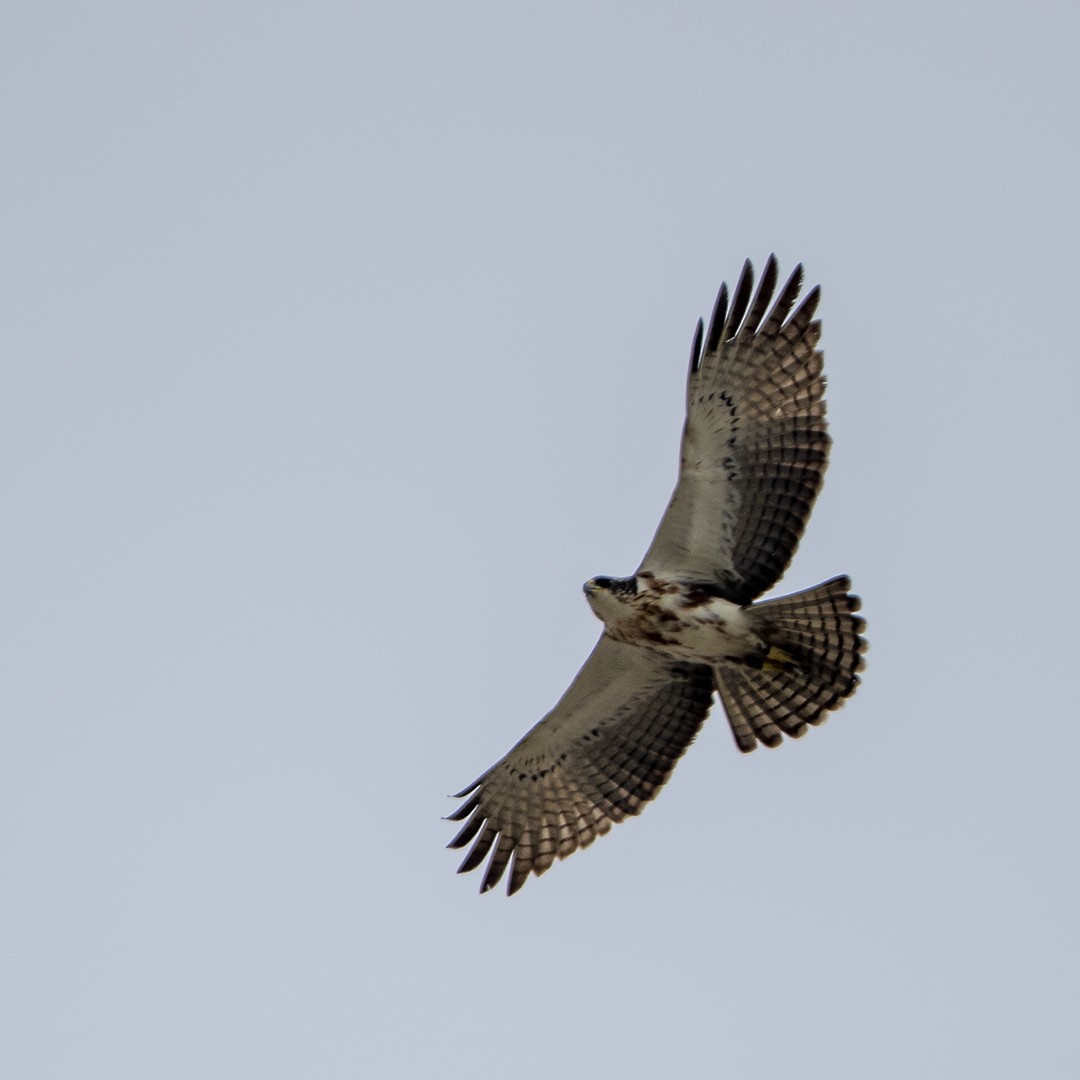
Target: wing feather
{"type": "Point", "coordinates": [755, 445]}
{"type": "Point", "coordinates": [599, 756]}
{"type": "Point", "coordinates": [718, 321]}
{"type": "Point", "coordinates": [740, 301]}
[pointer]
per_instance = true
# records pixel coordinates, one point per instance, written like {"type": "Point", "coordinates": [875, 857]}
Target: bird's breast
{"type": "Point", "coordinates": [685, 625]}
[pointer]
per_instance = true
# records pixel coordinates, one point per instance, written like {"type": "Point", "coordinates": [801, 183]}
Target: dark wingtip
{"type": "Point", "coordinates": [695, 346]}
{"type": "Point", "coordinates": [740, 301]}
{"type": "Point", "coordinates": [464, 810]}
{"type": "Point", "coordinates": [465, 791]}
{"type": "Point", "coordinates": [468, 831]}
{"type": "Point", "coordinates": [786, 299]}
{"type": "Point", "coordinates": [766, 287]}
{"type": "Point", "coordinates": [477, 854]}
{"type": "Point", "coordinates": [496, 867]}
{"type": "Point", "coordinates": [719, 316]}
{"type": "Point", "coordinates": [810, 303]}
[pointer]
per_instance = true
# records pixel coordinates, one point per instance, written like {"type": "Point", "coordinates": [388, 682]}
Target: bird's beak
{"type": "Point", "coordinates": [589, 586]}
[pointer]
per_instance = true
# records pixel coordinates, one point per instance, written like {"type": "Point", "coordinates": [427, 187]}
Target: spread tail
{"type": "Point", "coordinates": [811, 666]}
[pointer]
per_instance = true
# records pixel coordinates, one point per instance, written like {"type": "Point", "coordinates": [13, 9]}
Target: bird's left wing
{"type": "Point", "coordinates": [600, 755]}
{"type": "Point", "coordinates": [754, 448]}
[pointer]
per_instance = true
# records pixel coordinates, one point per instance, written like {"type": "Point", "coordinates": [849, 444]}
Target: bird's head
{"type": "Point", "coordinates": [608, 597]}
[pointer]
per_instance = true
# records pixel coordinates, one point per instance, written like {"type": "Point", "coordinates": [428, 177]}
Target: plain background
{"type": "Point", "coordinates": [341, 343]}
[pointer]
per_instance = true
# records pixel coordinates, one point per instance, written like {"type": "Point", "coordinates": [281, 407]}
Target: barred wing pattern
{"type": "Point", "coordinates": [754, 448]}
{"type": "Point", "coordinates": [599, 756]}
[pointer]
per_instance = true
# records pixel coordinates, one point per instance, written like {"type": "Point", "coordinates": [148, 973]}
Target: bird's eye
{"type": "Point", "coordinates": [602, 582]}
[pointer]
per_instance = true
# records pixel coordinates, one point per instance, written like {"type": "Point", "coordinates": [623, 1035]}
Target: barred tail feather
{"type": "Point", "coordinates": [815, 654]}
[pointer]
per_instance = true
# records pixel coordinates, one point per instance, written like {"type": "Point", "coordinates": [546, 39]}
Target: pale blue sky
{"type": "Point", "coordinates": [342, 343]}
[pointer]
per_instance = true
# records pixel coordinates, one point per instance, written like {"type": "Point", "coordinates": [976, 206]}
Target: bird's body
{"type": "Point", "coordinates": [689, 623]}
{"type": "Point", "coordinates": [679, 620]}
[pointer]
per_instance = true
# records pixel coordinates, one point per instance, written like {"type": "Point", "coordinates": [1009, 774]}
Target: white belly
{"type": "Point", "coordinates": [670, 622]}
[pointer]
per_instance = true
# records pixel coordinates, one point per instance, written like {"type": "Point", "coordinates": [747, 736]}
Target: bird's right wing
{"type": "Point", "coordinates": [600, 755]}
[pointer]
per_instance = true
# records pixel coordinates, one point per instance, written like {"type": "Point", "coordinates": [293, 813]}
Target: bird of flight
{"type": "Point", "coordinates": [686, 624]}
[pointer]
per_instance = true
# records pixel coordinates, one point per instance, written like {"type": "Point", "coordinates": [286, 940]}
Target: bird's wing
{"type": "Point", "coordinates": [600, 755]}
{"type": "Point", "coordinates": [754, 448]}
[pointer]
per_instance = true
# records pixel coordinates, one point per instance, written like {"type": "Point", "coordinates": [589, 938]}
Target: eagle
{"type": "Point", "coordinates": [688, 623]}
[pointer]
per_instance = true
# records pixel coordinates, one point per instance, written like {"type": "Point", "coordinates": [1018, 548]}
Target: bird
{"type": "Point", "coordinates": [689, 623]}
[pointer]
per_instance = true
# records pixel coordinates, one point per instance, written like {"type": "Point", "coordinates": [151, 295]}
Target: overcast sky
{"type": "Point", "coordinates": [342, 343]}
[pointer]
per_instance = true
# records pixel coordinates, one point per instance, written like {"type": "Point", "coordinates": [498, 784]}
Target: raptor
{"type": "Point", "coordinates": [689, 623]}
